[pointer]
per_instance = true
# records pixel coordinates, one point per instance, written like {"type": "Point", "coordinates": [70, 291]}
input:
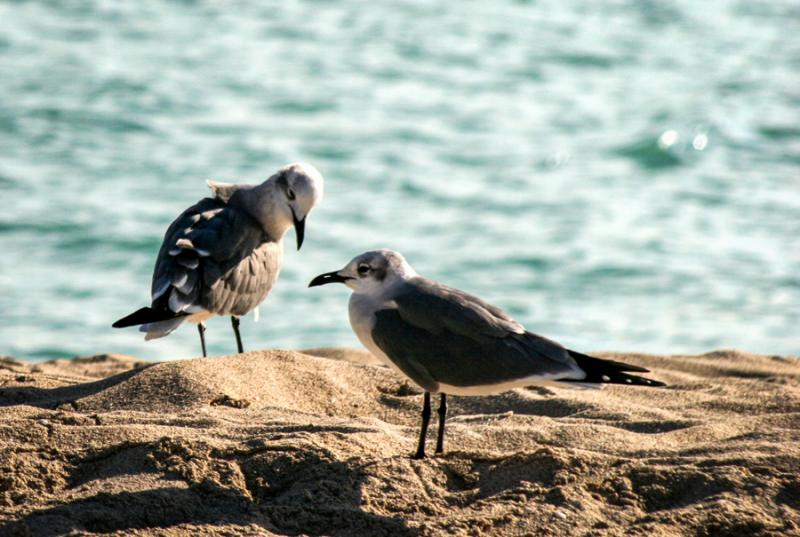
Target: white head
{"type": "Point", "coordinates": [299, 189]}
{"type": "Point", "coordinates": [373, 273]}
{"type": "Point", "coordinates": [282, 201]}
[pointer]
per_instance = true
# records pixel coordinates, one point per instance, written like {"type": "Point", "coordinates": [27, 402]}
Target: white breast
{"type": "Point", "coordinates": [362, 319]}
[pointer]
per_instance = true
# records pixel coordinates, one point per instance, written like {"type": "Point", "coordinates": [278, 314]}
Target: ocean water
{"type": "Point", "coordinates": [618, 175]}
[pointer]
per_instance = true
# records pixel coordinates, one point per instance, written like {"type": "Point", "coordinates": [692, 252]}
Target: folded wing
{"type": "Point", "coordinates": [438, 334]}
{"type": "Point", "coordinates": [212, 259]}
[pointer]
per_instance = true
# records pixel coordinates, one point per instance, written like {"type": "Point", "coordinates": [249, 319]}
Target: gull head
{"type": "Point", "coordinates": [300, 188]}
{"type": "Point", "coordinates": [372, 273]}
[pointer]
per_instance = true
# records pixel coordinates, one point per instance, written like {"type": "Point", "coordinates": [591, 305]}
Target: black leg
{"type": "Point", "coordinates": [423, 431]}
{"type": "Point", "coordinates": [442, 417]}
{"type": "Point", "coordinates": [202, 329]}
{"type": "Point", "coordinates": [235, 323]}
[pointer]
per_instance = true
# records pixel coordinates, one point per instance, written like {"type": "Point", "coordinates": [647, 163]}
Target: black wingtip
{"type": "Point", "coordinates": [656, 383]}
{"type": "Point", "coordinates": [611, 372]}
{"type": "Point", "coordinates": [619, 366]}
{"type": "Point", "coordinates": [146, 315]}
{"type": "Point", "coordinates": [632, 380]}
{"type": "Point", "coordinates": [618, 378]}
{"type": "Point", "coordinates": [135, 318]}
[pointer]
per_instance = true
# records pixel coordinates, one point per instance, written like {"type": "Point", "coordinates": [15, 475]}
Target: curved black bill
{"type": "Point", "coordinates": [299, 229]}
{"type": "Point", "coordinates": [328, 277]}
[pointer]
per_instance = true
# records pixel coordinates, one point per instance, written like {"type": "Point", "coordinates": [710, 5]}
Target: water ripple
{"type": "Point", "coordinates": [617, 176]}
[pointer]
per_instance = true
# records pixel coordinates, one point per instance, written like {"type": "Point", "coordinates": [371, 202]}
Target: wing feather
{"type": "Point", "coordinates": [442, 335]}
{"type": "Point", "coordinates": [214, 257]}
{"type": "Point", "coordinates": [441, 308]}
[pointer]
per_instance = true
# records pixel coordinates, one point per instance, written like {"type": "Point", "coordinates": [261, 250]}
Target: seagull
{"type": "Point", "coordinates": [452, 343]}
{"type": "Point", "coordinates": [222, 255]}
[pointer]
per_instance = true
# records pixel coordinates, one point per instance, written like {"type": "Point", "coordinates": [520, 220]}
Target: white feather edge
{"type": "Point", "coordinates": [161, 290]}
{"type": "Point", "coordinates": [533, 380]}
{"type": "Point", "coordinates": [222, 191]}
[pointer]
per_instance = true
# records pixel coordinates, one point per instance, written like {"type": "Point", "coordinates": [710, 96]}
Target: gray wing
{"type": "Point", "coordinates": [438, 308]}
{"type": "Point", "coordinates": [438, 334]}
{"type": "Point", "coordinates": [216, 258]}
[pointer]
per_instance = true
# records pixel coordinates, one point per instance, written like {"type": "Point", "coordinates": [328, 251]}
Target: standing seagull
{"type": "Point", "coordinates": [223, 254]}
{"type": "Point", "coordinates": [450, 342]}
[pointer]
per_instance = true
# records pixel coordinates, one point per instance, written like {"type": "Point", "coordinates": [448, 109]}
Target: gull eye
{"type": "Point", "coordinates": [290, 194]}
{"type": "Point", "coordinates": [363, 270]}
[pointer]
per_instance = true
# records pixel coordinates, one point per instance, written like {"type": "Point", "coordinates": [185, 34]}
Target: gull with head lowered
{"type": "Point", "coordinates": [449, 342]}
{"type": "Point", "coordinates": [222, 255]}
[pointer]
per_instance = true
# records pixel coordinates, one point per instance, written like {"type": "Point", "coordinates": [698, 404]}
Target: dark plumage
{"type": "Point", "coordinates": [453, 343]}
{"type": "Point", "coordinates": [222, 255]}
{"type": "Point", "coordinates": [440, 335]}
{"type": "Point", "coordinates": [216, 257]}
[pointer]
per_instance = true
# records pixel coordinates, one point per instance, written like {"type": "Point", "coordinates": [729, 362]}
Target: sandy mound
{"type": "Point", "coordinates": [284, 443]}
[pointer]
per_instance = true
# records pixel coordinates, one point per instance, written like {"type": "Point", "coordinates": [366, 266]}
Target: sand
{"type": "Point", "coordinates": [319, 443]}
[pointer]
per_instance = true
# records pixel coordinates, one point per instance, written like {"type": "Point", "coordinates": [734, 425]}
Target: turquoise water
{"type": "Point", "coordinates": [621, 177]}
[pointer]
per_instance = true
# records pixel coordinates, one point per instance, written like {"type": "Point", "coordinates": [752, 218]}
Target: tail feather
{"type": "Point", "coordinates": [160, 328]}
{"type": "Point", "coordinates": [610, 372]}
{"type": "Point", "coordinates": [147, 315]}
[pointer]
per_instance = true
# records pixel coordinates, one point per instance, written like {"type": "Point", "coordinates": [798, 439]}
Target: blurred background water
{"type": "Point", "coordinates": [618, 175]}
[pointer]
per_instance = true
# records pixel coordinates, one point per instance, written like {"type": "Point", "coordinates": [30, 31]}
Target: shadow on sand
{"type": "Point", "coordinates": [54, 397]}
{"type": "Point", "coordinates": [283, 489]}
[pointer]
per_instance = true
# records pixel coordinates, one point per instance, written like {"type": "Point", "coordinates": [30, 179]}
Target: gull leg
{"type": "Point", "coordinates": [201, 328]}
{"type": "Point", "coordinates": [423, 431]}
{"type": "Point", "coordinates": [442, 417]}
{"type": "Point", "coordinates": [235, 324]}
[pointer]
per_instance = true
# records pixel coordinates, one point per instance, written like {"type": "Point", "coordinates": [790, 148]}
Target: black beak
{"type": "Point", "coordinates": [328, 277]}
{"type": "Point", "coordinates": [299, 229]}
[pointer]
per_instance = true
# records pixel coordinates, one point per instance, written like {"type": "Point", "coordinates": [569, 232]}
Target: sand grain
{"type": "Point", "coordinates": [286, 443]}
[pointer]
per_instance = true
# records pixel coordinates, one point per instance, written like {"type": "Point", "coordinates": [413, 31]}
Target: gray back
{"type": "Point", "coordinates": [215, 257]}
{"type": "Point", "coordinates": [438, 334]}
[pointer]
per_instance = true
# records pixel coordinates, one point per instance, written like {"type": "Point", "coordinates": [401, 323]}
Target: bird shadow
{"type": "Point", "coordinates": [283, 488]}
{"type": "Point", "coordinates": [550, 406]}
{"type": "Point", "coordinates": [55, 397]}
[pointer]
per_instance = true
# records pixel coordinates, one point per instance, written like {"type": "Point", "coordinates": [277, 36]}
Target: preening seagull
{"type": "Point", "coordinates": [222, 255]}
{"type": "Point", "coordinates": [449, 342]}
